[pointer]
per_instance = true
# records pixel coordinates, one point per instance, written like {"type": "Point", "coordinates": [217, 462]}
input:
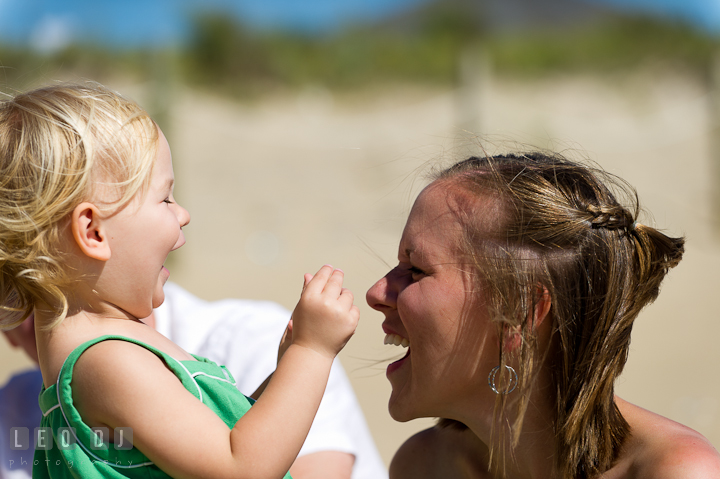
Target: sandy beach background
{"type": "Point", "coordinates": [279, 187]}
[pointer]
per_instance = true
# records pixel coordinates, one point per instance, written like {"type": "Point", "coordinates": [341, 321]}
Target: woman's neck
{"type": "Point", "coordinates": [533, 457]}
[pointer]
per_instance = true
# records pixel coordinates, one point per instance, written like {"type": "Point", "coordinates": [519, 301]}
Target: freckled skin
{"type": "Point", "coordinates": [427, 299]}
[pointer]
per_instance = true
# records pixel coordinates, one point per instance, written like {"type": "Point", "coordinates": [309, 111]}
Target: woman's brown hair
{"type": "Point", "coordinates": [563, 227]}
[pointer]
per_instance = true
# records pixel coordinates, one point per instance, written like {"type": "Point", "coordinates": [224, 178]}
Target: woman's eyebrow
{"type": "Point", "coordinates": [414, 252]}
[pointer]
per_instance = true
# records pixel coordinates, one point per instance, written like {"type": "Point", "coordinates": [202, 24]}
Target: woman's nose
{"type": "Point", "coordinates": [381, 295]}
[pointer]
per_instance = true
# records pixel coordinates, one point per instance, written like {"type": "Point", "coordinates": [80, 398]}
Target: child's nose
{"type": "Point", "coordinates": [183, 216]}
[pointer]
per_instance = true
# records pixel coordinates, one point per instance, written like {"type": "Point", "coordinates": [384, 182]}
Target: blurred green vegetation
{"type": "Point", "coordinates": [23, 67]}
{"type": "Point", "coordinates": [617, 44]}
{"type": "Point", "coordinates": [223, 55]}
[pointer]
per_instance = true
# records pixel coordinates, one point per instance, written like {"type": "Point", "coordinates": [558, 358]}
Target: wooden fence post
{"type": "Point", "coordinates": [474, 75]}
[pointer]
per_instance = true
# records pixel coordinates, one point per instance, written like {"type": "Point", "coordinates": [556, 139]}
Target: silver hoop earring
{"type": "Point", "coordinates": [510, 387]}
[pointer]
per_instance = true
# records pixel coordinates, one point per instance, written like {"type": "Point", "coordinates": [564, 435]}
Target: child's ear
{"type": "Point", "coordinates": [89, 232]}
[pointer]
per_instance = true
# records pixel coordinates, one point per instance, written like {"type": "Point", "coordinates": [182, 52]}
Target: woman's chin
{"type": "Point", "coordinates": [401, 407]}
{"type": "Point", "coordinates": [398, 413]}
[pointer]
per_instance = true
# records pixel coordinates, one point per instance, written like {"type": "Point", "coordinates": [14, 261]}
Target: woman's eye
{"type": "Point", "coordinates": [415, 271]}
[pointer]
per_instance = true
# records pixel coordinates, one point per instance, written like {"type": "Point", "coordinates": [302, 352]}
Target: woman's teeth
{"type": "Point", "coordinates": [396, 340]}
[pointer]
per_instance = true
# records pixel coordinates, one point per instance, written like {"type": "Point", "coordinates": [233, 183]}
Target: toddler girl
{"type": "Point", "coordinates": [87, 218]}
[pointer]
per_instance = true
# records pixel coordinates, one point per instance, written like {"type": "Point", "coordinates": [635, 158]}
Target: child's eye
{"type": "Point", "coordinates": [168, 201]}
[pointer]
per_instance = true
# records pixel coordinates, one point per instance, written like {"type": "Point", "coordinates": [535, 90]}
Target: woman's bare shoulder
{"type": "Point", "coordinates": [440, 453]}
{"type": "Point", "coordinates": [661, 448]}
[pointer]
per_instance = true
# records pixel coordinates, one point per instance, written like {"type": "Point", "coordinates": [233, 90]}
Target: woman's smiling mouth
{"type": "Point", "coordinates": [397, 340]}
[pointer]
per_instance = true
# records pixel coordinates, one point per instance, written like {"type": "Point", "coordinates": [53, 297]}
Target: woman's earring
{"type": "Point", "coordinates": [511, 385]}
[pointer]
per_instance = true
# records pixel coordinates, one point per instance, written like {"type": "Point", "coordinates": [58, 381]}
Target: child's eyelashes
{"type": "Point", "coordinates": [168, 201]}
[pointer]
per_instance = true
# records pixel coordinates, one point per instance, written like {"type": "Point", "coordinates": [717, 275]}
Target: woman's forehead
{"type": "Point", "coordinates": [449, 202]}
{"type": "Point", "coordinates": [435, 224]}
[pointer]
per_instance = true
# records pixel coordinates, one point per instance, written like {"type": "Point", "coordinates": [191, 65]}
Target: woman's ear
{"type": "Point", "coordinates": [542, 306]}
{"type": "Point", "coordinates": [89, 232]}
{"type": "Point", "coordinates": [513, 336]}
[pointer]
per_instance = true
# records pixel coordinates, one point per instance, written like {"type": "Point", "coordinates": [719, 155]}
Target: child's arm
{"type": "Point", "coordinates": [284, 344]}
{"type": "Point", "coordinates": [119, 384]}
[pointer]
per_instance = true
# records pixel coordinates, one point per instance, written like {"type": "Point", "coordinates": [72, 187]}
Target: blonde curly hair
{"type": "Point", "coordinates": [59, 145]}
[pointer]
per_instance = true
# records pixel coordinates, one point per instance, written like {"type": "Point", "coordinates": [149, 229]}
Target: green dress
{"type": "Point", "coordinates": [74, 449]}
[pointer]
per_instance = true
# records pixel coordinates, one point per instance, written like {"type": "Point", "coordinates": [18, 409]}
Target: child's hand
{"type": "Point", "coordinates": [325, 317]}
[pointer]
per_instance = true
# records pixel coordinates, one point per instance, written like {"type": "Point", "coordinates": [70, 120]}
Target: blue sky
{"type": "Point", "coordinates": [705, 13]}
{"type": "Point", "coordinates": [47, 24]}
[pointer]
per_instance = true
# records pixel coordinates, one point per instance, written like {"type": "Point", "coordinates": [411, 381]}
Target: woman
{"type": "Point", "coordinates": [518, 282]}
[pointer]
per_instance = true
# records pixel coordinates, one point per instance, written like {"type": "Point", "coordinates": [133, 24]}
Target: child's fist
{"type": "Point", "coordinates": [325, 317]}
